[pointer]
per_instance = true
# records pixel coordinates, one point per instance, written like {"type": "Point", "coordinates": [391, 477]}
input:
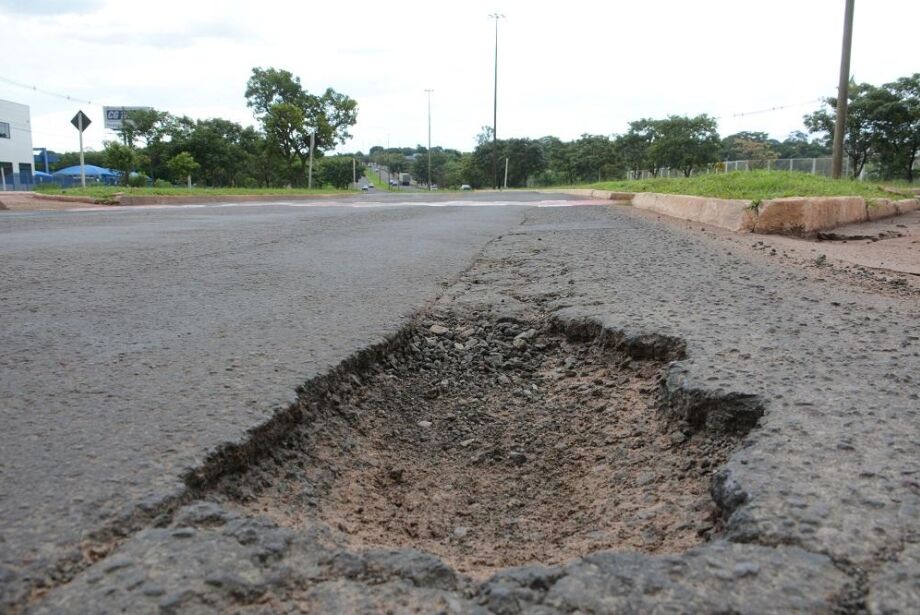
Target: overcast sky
{"type": "Point", "coordinates": [565, 68]}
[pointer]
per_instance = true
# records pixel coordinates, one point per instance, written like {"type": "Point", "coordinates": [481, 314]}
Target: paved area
{"type": "Point", "coordinates": [136, 341]}
{"type": "Point", "coordinates": [819, 505]}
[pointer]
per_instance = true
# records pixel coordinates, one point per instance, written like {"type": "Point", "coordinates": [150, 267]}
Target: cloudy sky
{"type": "Point", "coordinates": [564, 68]}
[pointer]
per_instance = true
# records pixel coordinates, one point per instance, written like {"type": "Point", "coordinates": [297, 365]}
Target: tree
{"type": "Point", "coordinates": [337, 171]}
{"type": "Point", "coordinates": [439, 160]}
{"type": "Point", "coordinates": [595, 158]}
{"type": "Point", "coordinates": [741, 145]}
{"type": "Point", "coordinates": [686, 143]}
{"type": "Point", "coordinates": [635, 147]}
{"type": "Point", "coordinates": [182, 165]}
{"type": "Point", "coordinates": [896, 122]}
{"type": "Point", "coordinates": [525, 160]}
{"type": "Point", "coordinates": [797, 145]}
{"type": "Point", "coordinates": [858, 134]}
{"type": "Point", "coordinates": [120, 158]}
{"type": "Point", "coordinates": [285, 129]}
{"type": "Point", "coordinates": [289, 115]}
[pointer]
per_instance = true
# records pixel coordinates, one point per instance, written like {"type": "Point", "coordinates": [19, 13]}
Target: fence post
{"type": "Point", "coordinates": [2, 178]}
{"type": "Point", "coordinates": [814, 166]}
{"type": "Point", "coordinates": [790, 164]}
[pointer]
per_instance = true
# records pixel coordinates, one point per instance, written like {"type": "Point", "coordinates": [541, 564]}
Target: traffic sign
{"type": "Point", "coordinates": [80, 121]}
{"type": "Point", "coordinates": [115, 116]}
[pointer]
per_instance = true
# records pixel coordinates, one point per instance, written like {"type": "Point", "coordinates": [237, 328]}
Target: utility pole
{"type": "Point", "coordinates": [429, 138]}
{"type": "Point", "coordinates": [496, 17]}
{"type": "Point", "coordinates": [312, 145]}
{"type": "Point", "coordinates": [843, 91]}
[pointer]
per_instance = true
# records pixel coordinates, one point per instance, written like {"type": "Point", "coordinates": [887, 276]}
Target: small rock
{"type": "Point", "coordinates": [458, 346]}
{"type": "Point", "coordinates": [821, 260]}
{"type": "Point", "coordinates": [519, 342]}
{"type": "Point", "coordinates": [425, 424]}
{"type": "Point", "coordinates": [438, 329]}
{"type": "Point", "coordinates": [466, 443]}
{"type": "Point", "coordinates": [677, 437]}
{"type": "Point", "coordinates": [460, 531]}
{"type": "Point", "coordinates": [503, 379]}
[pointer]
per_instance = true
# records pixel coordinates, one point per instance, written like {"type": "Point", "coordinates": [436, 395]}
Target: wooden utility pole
{"type": "Point", "coordinates": [843, 92]}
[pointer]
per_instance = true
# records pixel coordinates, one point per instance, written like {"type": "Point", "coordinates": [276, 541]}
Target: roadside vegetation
{"type": "Point", "coordinates": [882, 143]}
{"type": "Point", "coordinates": [752, 185]}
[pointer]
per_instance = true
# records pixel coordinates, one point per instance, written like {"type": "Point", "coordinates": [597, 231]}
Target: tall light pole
{"type": "Point", "coordinates": [429, 138]}
{"type": "Point", "coordinates": [496, 17]}
{"type": "Point", "coordinates": [843, 91]}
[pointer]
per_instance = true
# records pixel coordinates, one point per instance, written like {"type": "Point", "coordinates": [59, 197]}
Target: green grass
{"type": "Point", "coordinates": [374, 178]}
{"type": "Point", "coordinates": [751, 185]}
{"type": "Point", "coordinates": [108, 192]}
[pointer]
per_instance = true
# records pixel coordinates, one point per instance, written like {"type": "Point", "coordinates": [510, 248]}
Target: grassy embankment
{"type": "Point", "coordinates": [108, 192]}
{"type": "Point", "coordinates": [374, 178]}
{"type": "Point", "coordinates": [751, 185]}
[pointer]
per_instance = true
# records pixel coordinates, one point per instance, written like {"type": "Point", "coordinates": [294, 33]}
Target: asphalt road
{"type": "Point", "coordinates": [135, 341]}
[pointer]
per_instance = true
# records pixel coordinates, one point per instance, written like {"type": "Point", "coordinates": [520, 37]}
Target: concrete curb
{"type": "Point", "coordinates": [732, 214]}
{"type": "Point", "coordinates": [798, 216]}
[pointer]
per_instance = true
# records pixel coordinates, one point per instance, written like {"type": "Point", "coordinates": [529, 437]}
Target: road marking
{"type": "Point", "coordinates": [352, 204]}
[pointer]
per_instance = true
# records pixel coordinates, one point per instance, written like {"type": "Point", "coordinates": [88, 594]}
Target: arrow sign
{"type": "Point", "coordinates": [80, 121]}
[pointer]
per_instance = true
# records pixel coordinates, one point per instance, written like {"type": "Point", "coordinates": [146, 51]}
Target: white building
{"type": "Point", "coordinates": [15, 144]}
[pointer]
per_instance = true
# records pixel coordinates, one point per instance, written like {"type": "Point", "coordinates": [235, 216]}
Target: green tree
{"type": "Point", "coordinates": [595, 158]}
{"type": "Point", "coordinates": [739, 146]}
{"type": "Point", "coordinates": [635, 147]}
{"type": "Point", "coordinates": [859, 136]}
{"type": "Point", "coordinates": [686, 143]}
{"type": "Point", "coordinates": [120, 158]}
{"type": "Point", "coordinates": [337, 171]}
{"type": "Point", "coordinates": [182, 165]}
{"type": "Point", "coordinates": [896, 123]}
{"type": "Point", "coordinates": [289, 115]}
{"type": "Point", "coordinates": [797, 145]}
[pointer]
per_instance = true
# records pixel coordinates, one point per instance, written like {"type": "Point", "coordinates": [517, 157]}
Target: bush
{"type": "Point", "coordinates": [137, 180]}
{"type": "Point", "coordinates": [162, 183]}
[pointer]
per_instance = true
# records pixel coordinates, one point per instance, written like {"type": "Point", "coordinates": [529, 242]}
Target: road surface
{"type": "Point", "coordinates": [137, 342]}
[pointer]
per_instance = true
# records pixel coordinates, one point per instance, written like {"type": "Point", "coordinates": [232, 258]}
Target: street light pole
{"type": "Point", "coordinates": [496, 17]}
{"type": "Point", "coordinates": [843, 91]}
{"type": "Point", "coordinates": [429, 138]}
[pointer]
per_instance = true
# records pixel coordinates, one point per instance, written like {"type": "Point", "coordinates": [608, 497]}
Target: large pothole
{"type": "Point", "coordinates": [491, 444]}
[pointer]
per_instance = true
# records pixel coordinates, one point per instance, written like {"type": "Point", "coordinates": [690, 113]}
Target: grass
{"type": "Point", "coordinates": [374, 178]}
{"type": "Point", "coordinates": [751, 185]}
{"type": "Point", "coordinates": [108, 192]}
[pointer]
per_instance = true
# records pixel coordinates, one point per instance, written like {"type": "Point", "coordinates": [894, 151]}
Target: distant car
{"type": "Point", "coordinates": [393, 182]}
{"type": "Point", "coordinates": [365, 187]}
{"type": "Point", "coordinates": [466, 187]}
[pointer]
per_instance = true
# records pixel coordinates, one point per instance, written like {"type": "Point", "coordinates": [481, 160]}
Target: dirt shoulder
{"type": "Point", "coordinates": [881, 256]}
{"type": "Point", "coordinates": [28, 201]}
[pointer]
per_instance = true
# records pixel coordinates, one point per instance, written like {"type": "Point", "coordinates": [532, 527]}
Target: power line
{"type": "Point", "coordinates": [771, 109]}
{"type": "Point", "coordinates": [46, 92]}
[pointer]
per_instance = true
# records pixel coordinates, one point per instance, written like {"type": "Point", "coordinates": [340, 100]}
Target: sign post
{"type": "Point", "coordinates": [81, 122]}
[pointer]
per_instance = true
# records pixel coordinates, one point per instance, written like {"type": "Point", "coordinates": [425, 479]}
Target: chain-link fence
{"type": "Point", "coordinates": [814, 166]}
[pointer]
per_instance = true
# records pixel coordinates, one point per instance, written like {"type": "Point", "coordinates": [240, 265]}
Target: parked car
{"type": "Point", "coordinates": [466, 187]}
